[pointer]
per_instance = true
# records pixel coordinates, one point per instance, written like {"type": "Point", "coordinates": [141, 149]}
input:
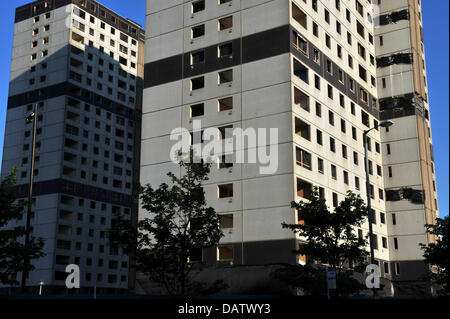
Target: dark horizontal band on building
{"type": "Point", "coordinates": [251, 48]}
{"type": "Point", "coordinates": [72, 90]}
{"type": "Point", "coordinates": [254, 47]}
{"type": "Point", "coordinates": [62, 186]}
{"type": "Point", "coordinates": [28, 11]}
{"type": "Point", "coordinates": [401, 106]}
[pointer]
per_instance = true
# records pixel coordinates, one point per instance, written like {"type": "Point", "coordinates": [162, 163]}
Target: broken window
{"type": "Point", "coordinates": [362, 73]}
{"type": "Point", "coordinates": [225, 131]}
{"type": "Point", "coordinates": [225, 190]}
{"type": "Point", "coordinates": [304, 189]}
{"type": "Point", "coordinates": [197, 110]}
{"type": "Point", "coordinates": [226, 221]}
{"type": "Point", "coordinates": [360, 29]}
{"type": "Point", "coordinates": [225, 23]}
{"type": "Point", "coordinates": [226, 161]}
{"type": "Point", "coordinates": [77, 38]}
{"type": "Point", "coordinates": [299, 16]}
{"type": "Point", "coordinates": [198, 6]}
{"type": "Point", "coordinates": [225, 76]}
{"type": "Point", "coordinates": [198, 31]}
{"type": "Point", "coordinates": [364, 96]}
{"type": "Point", "coordinates": [225, 252]}
{"type": "Point", "coordinates": [197, 57]}
{"type": "Point", "coordinates": [301, 99]}
{"type": "Point", "coordinates": [300, 71]}
{"type": "Point", "coordinates": [302, 129]}
{"type": "Point", "coordinates": [225, 104]}
{"type": "Point", "coordinates": [197, 83]}
{"type": "Point", "coordinates": [225, 50]}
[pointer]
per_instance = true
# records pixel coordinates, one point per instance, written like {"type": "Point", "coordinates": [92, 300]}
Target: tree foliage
{"type": "Point", "coordinates": [437, 253]}
{"type": "Point", "coordinates": [329, 240]}
{"type": "Point", "coordinates": [178, 226]}
{"type": "Point", "coordinates": [12, 250]}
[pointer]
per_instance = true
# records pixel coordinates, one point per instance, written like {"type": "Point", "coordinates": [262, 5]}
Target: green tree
{"type": "Point", "coordinates": [331, 241]}
{"type": "Point", "coordinates": [12, 250]}
{"type": "Point", "coordinates": [178, 226]}
{"type": "Point", "coordinates": [437, 253]}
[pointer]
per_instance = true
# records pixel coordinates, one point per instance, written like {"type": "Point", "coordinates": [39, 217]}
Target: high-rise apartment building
{"type": "Point", "coordinates": [322, 72]}
{"type": "Point", "coordinates": [82, 65]}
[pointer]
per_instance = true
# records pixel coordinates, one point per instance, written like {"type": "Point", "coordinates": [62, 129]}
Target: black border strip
{"type": "Point", "coordinates": [64, 89]}
{"type": "Point", "coordinates": [254, 47]}
{"type": "Point", "coordinates": [62, 186]}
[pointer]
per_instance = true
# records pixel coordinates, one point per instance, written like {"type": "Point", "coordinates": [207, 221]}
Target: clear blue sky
{"type": "Point", "coordinates": [436, 20]}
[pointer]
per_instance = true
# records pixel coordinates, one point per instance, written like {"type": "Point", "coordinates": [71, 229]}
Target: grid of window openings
{"type": "Point", "coordinates": [98, 145]}
{"type": "Point", "coordinates": [339, 151]}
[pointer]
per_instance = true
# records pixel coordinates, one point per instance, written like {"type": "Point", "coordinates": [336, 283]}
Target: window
{"type": "Point", "coordinates": [318, 109]}
{"type": "Point", "coordinates": [226, 221]}
{"type": "Point", "coordinates": [360, 29]}
{"type": "Point", "coordinates": [299, 16]}
{"type": "Point", "coordinates": [319, 137]}
{"type": "Point", "coordinates": [316, 56]}
{"type": "Point", "coordinates": [384, 245]}
{"type": "Point", "coordinates": [225, 104]}
{"type": "Point", "coordinates": [303, 158]}
{"type": "Point", "coordinates": [197, 57]}
{"type": "Point", "coordinates": [390, 171]}
{"type": "Point", "coordinates": [357, 182]}
{"type": "Point", "coordinates": [316, 81]}
{"type": "Point", "coordinates": [226, 161]}
{"type": "Point", "coordinates": [365, 118]}
{"type": "Point", "coordinates": [302, 129]}
{"type": "Point", "coordinates": [304, 189]}
{"type": "Point", "coordinates": [326, 16]}
{"type": "Point", "coordinates": [197, 110]}
{"type": "Point", "coordinates": [225, 190]}
{"type": "Point", "coordinates": [355, 158]}
{"type": "Point", "coordinates": [300, 71]}
{"type": "Point", "coordinates": [225, 76]}
{"type": "Point", "coordinates": [373, 216]}
{"type": "Point", "coordinates": [225, 252]}
{"type": "Point", "coordinates": [338, 27]}
{"type": "Point", "coordinates": [328, 41]}
{"type": "Point", "coordinates": [335, 200]}
{"type": "Point", "coordinates": [379, 170]}
{"type": "Point", "coordinates": [346, 178]}
{"type": "Point", "coordinates": [320, 165]}
{"type": "Point", "coordinates": [225, 23]}
{"type": "Point", "coordinates": [363, 74]}
{"type": "Point", "coordinates": [395, 243]}
{"type": "Point", "coordinates": [315, 30]}
{"type": "Point", "coordinates": [301, 99]}
{"type": "Point", "coordinates": [330, 91]}
{"type": "Point", "coordinates": [331, 118]}
{"type": "Point", "coordinates": [382, 218]}
{"type": "Point", "coordinates": [301, 44]}
{"type": "Point", "coordinates": [198, 6]}
{"type": "Point", "coordinates": [198, 31]}
{"type": "Point", "coordinates": [333, 172]}
{"type": "Point", "coordinates": [394, 219]}
{"type": "Point", "coordinates": [344, 151]}
{"type": "Point", "coordinates": [329, 67]}
{"type": "Point", "coordinates": [225, 50]}
{"type": "Point", "coordinates": [197, 83]}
